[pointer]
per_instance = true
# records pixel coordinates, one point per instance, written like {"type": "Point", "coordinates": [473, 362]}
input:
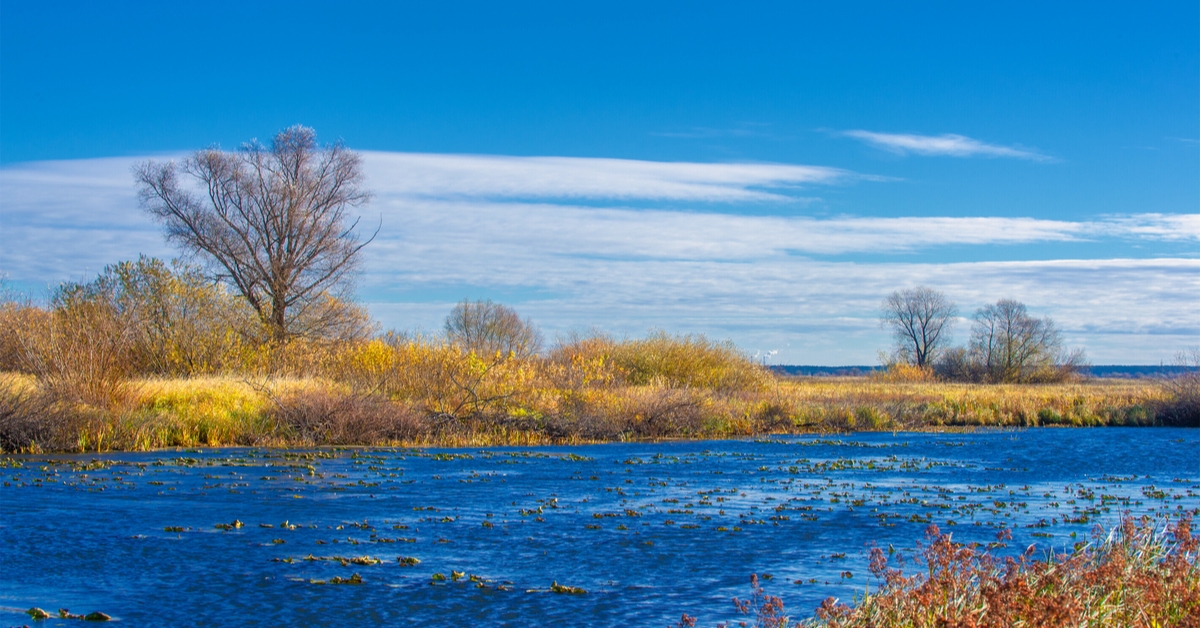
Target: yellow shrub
{"type": "Point", "coordinates": [901, 372]}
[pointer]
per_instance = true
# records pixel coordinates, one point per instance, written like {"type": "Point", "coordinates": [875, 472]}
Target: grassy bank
{"type": "Point", "coordinates": [530, 402]}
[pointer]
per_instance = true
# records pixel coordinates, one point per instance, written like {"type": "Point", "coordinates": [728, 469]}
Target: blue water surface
{"type": "Point", "coordinates": [648, 530]}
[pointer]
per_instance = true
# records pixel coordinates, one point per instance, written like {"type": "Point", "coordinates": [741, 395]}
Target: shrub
{"type": "Point", "coordinates": [958, 365]}
{"type": "Point", "coordinates": [323, 417]}
{"type": "Point", "coordinates": [1183, 390]}
{"type": "Point", "coordinates": [1133, 575]}
{"type": "Point", "coordinates": [902, 372]}
{"type": "Point", "coordinates": [25, 426]}
{"type": "Point", "coordinates": [81, 351]}
{"type": "Point", "coordinates": [17, 320]}
{"type": "Point", "coordinates": [687, 361]}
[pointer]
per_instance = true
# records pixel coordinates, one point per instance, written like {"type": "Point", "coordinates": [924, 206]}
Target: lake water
{"type": "Point", "coordinates": [649, 530]}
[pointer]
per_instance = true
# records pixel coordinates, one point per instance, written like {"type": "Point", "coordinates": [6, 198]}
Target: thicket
{"type": "Point", "coordinates": [151, 354]}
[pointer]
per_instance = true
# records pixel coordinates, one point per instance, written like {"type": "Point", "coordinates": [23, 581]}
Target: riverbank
{"type": "Point", "coordinates": [146, 414]}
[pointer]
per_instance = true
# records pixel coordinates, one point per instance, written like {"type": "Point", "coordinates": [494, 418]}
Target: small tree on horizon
{"type": "Point", "coordinates": [1010, 345]}
{"type": "Point", "coordinates": [488, 328]}
{"type": "Point", "coordinates": [921, 319]}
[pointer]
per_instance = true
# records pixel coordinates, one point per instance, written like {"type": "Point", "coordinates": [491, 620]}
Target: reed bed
{"type": "Point", "coordinates": [460, 401]}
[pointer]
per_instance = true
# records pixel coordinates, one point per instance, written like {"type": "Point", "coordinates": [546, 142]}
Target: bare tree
{"type": "Point", "coordinates": [272, 220]}
{"type": "Point", "coordinates": [921, 319]}
{"type": "Point", "coordinates": [488, 328]}
{"type": "Point", "coordinates": [1013, 346]}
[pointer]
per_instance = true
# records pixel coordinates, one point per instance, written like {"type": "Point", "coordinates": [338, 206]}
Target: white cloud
{"type": "Point", "coordinates": [1169, 227]}
{"type": "Point", "coordinates": [491, 176]}
{"type": "Point", "coordinates": [949, 144]}
{"type": "Point", "coordinates": [657, 234]}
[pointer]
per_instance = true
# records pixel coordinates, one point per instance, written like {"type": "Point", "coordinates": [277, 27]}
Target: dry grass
{"type": "Point", "coordinates": [427, 391]}
{"type": "Point", "coordinates": [438, 395]}
{"type": "Point", "coordinates": [863, 403]}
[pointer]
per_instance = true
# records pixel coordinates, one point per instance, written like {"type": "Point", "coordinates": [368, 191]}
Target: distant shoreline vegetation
{"type": "Point", "coordinates": [1124, 371]}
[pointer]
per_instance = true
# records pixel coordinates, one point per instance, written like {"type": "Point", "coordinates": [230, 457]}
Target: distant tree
{"type": "Point", "coordinates": [274, 223]}
{"type": "Point", "coordinates": [488, 328]}
{"type": "Point", "coordinates": [921, 320]}
{"type": "Point", "coordinates": [1009, 345]}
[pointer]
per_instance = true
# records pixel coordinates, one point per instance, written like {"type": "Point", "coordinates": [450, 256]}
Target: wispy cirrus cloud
{"type": "Point", "coordinates": [499, 176]}
{"type": "Point", "coordinates": [950, 145]}
{"type": "Point", "coordinates": [1166, 227]}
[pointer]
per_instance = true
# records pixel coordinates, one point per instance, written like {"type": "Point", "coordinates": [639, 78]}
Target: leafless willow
{"type": "Point", "coordinates": [921, 320]}
{"type": "Point", "coordinates": [274, 223]}
{"type": "Point", "coordinates": [1013, 346]}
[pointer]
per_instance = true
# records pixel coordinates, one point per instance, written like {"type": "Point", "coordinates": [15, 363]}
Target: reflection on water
{"type": "Point", "coordinates": [649, 531]}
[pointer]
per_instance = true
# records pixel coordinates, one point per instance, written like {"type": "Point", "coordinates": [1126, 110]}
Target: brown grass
{"type": "Point", "coordinates": [437, 395]}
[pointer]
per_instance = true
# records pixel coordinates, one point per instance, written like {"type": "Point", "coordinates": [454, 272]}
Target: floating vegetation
{"type": "Point", "coordinates": [555, 587]}
{"type": "Point", "coordinates": [39, 614]}
{"type": "Point", "coordinates": [354, 579]}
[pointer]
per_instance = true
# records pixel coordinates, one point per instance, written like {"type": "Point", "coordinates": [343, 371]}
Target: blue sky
{"type": "Point", "coordinates": [755, 171]}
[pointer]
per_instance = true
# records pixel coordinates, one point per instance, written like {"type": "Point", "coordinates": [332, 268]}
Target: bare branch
{"type": "Point", "coordinates": [921, 320]}
{"type": "Point", "coordinates": [272, 221]}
